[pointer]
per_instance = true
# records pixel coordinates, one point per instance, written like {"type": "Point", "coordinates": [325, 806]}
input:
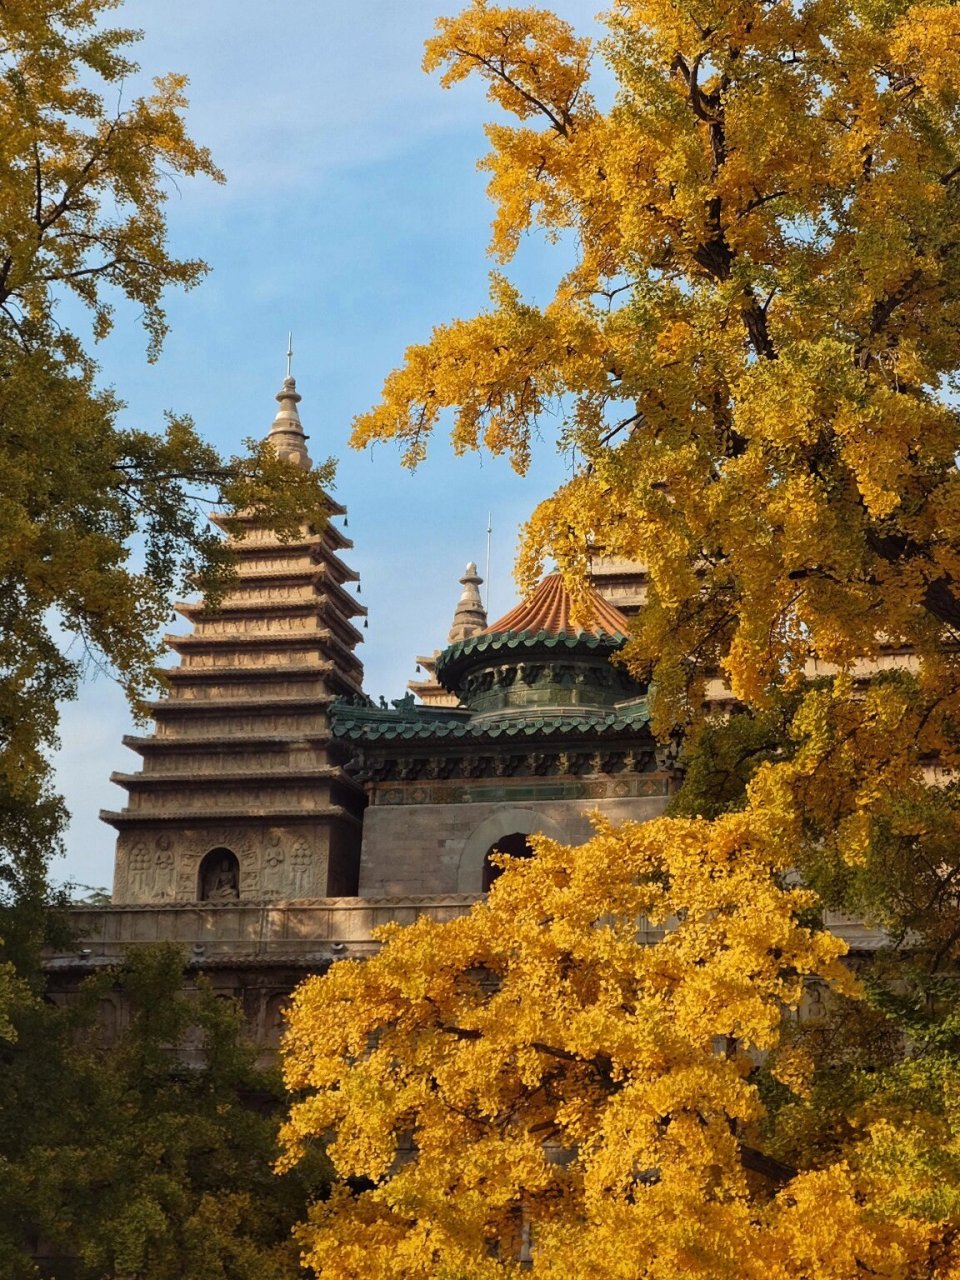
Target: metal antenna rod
{"type": "Point", "coordinates": [289, 354]}
{"type": "Point", "coordinates": [489, 533]}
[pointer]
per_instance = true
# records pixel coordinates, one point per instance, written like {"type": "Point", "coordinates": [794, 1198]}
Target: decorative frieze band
{"type": "Point", "coordinates": [490, 790]}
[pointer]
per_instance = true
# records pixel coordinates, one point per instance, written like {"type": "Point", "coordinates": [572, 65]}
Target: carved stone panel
{"type": "Point", "coordinates": [302, 871]}
{"type": "Point", "coordinates": [274, 865]}
{"type": "Point", "coordinates": [138, 873]}
{"type": "Point", "coordinates": [164, 873]}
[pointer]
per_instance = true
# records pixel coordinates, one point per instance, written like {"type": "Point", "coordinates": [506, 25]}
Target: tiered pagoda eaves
{"type": "Point", "coordinates": [243, 794]}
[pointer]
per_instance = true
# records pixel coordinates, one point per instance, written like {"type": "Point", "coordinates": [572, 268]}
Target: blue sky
{"type": "Point", "coordinates": [355, 216]}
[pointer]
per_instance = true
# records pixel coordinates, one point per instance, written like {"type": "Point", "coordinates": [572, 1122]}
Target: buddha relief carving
{"type": "Point", "coordinates": [219, 877]}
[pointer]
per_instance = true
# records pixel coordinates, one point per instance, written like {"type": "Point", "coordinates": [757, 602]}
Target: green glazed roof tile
{"type": "Point", "coordinates": [378, 724]}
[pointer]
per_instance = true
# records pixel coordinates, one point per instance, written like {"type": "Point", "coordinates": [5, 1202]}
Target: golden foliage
{"type": "Point", "coordinates": [573, 1068]}
{"type": "Point", "coordinates": [752, 343]}
{"type": "Point", "coordinates": [755, 349]}
{"type": "Point", "coordinates": [67, 158]}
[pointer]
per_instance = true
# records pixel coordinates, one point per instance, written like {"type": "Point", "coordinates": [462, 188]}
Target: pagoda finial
{"type": "Point", "coordinates": [286, 432]}
{"type": "Point", "coordinates": [470, 615]}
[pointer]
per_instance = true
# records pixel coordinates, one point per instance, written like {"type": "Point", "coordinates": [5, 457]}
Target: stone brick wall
{"type": "Point", "coordinates": [440, 848]}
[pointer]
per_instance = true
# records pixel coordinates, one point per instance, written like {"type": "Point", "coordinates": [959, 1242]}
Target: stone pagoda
{"type": "Point", "coordinates": [469, 617]}
{"type": "Point", "coordinates": [242, 794]}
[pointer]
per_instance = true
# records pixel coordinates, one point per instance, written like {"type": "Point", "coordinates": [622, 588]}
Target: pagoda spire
{"type": "Point", "coordinates": [470, 615]}
{"type": "Point", "coordinates": [469, 618]}
{"type": "Point", "coordinates": [286, 432]}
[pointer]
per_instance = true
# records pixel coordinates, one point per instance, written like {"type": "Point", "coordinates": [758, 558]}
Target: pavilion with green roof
{"type": "Point", "coordinates": [547, 726]}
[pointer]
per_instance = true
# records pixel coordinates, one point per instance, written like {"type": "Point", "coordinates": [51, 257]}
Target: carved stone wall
{"type": "Point", "coordinates": [257, 953]}
{"type": "Point", "coordinates": [306, 931]}
{"type": "Point", "coordinates": [162, 866]}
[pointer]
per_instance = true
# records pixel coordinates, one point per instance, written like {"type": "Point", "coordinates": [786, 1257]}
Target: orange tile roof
{"type": "Point", "coordinates": [550, 608]}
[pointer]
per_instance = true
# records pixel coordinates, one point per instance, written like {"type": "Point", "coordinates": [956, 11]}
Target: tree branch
{"type": "Point", "coordinates": [561, 123]}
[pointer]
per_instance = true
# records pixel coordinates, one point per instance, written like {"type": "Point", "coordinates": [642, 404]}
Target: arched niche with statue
{"type": "Point", "coordinates": [218, 876]}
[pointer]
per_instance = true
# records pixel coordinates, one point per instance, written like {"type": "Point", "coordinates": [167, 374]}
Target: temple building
{"type": "Point", "coordinates": [280, 816]}
{"type": "Point", "coordinates": [272, 777]}
{"type": "Point", "coordinates": [544, 729]}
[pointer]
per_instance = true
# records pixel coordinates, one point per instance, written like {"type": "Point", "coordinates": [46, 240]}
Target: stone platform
{"type": "Point", "coordinates": [308, 934]}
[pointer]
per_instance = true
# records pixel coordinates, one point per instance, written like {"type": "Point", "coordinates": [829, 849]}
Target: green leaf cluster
{"type": "Point", "coordinates": [137, 1137]}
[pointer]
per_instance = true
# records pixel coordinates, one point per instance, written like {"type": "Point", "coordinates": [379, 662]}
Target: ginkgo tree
{"type": "Point", "coordinates": [755, 350]}
{"type": "Point", "coordinates": [754, 347]}
{"type": "Point", "coordinates": [596, 1073]}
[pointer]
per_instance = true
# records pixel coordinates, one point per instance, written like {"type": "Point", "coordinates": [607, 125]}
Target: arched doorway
{"type": "Point", "coordinates": [218, 879]}
{"type": "Point", "coordinates": [504, 820]}
{"type": "Point", "coordinates": [515, 844]}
